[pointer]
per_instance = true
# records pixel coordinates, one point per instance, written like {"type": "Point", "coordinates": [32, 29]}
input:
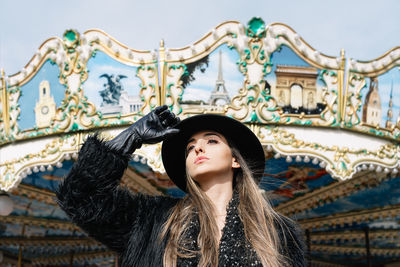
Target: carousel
{"type": "Point", "coordinates": [330, 127]}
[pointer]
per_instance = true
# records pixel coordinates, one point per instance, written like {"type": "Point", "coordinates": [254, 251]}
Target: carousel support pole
{"type": "Point", "coordinates": [4, 102]}
{"type": "Point", "coordinates": [308, 240]}
{"type": "Point", "coordinates": [116, 261]}
{"type": "Point", "coordinates": [367, 246]}
{"type": "Point", "coordinates": [342, 91]}
{"type": "Point", "coordinates": [20, 248]}
{"type": "Point", "coordinates": [71, 259]}
{"type": "Point", "coordinates": [162, 74]}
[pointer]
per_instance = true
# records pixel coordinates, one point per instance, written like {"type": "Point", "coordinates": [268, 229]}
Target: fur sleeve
{"type": "Point", "coordinates": [92, 198]}
{"type": "Point", "coordinates": [293, 246]}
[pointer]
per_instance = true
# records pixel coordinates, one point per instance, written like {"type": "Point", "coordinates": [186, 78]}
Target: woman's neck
{"type": "Point", "coordinates": [220, 194]}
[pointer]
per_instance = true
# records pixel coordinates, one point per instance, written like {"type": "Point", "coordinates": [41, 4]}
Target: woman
{"type": "Point", "coordinates": [223, 220]}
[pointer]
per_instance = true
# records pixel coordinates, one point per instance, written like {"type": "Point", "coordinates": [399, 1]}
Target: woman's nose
{"type": "Point", "coordinates": [199, 147]}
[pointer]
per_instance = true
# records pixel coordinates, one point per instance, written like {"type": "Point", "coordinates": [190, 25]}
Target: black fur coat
{"type": "Point", "coordinates": [130, 224]}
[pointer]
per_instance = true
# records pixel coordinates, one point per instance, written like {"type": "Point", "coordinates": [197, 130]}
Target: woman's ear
{"type": "Point", "coordinates": [235, 163]}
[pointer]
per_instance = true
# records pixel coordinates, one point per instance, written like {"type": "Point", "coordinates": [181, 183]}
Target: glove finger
{"type": "Point", "coordinates": [177, 120]}
{"type": "Point", "coordinates": [169, 121]}
{"type": "Point", "coordinates": [160, 109]}
{"type": "Point", "coordinates": [170, 132]}
{"type": "Point", "coordinates": [165, 114]}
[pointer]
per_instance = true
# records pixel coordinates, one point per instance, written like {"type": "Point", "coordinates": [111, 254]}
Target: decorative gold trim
{"type": "Point", "coordinates": [391, 234]}
{"type": "Point", "coordinates": [319, 263]}
{"type": "Point", "coordinates": [295, 47]}
{"type": "Point", "coordinates": [4, 103]}
{"type": "Point", "coordinates": [34, 221]}
{"type": "Point", "coordinates": [48, 241]}
{"type": "Point", "coordinates": [332, 192]}
{"type": "Point", "coordinates": [355, 250]}
{"type": "Point", "coordinates": [32, 192]}
{"type": "Point", "coordinates": [65, 259]}
{"type": "Point", "coordinates": [138, 184]}
{"type": "Point", "coordinates": [339, 163]}
{"type": "Point", "coordinates": [350, 217]}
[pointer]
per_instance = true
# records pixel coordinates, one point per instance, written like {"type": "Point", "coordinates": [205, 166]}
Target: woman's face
{"type": "Point", "coordinates": [209, 157]}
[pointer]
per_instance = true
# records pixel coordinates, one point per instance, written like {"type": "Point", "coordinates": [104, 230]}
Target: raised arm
{"type": "Point", "coordinates": [91, 195]}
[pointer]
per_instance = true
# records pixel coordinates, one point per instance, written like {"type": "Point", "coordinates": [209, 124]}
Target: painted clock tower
{"type": "Point", "coordinates": [45, 109]}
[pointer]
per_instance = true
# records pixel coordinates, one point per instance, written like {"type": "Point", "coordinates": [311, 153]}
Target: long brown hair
{"type": "Point", "coordinates": [260, 222]}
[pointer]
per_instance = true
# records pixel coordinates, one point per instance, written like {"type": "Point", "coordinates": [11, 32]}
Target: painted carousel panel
{"type": "Point", "coordinates": [210, 83]}
{"type": "Point", "coordinates": [38, 100]}
{"type": "Point", "coordinates": [113, 87]}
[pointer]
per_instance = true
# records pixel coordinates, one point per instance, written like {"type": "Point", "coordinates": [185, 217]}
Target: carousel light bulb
{"type": "Point", "coordinates": [364, 167]}
{"type": "Point", "coordinates": [392, 55]}
{"type": "Point", "coordinates": [304, 51]}
{"type": "Point", "coordinates": [271, 32]}
{"type": "Point", "coordinates": [6, 205]}
{"type": "Point", "coordinates": [316, 55]}
{"type": "Point", "coordinates": [109, 43]}
{"type": "Point", "coordinates": [214, 34]}
{"type": "Point", "coordinates": [277, 155]}
{"type": "Point", "coordinates": [371, 167]}
{"type": "Point", "coordinates": [35, 169]}
{"type": "Point", "coordinates": [298, 158]}
{"type": "Point", "coordinates": [38, 54]}
{"type": "Point", "coordinates": [315, 161]}
{"type": "Point", "coordinates": [29, 171]}
{"type": "Point", "coordinates": [241, 28]}
{"type": "Point", "coordinates": [83, 39]}
{"type": "Point", "coordinates": [269, 148]}
{"type": "Point", "coordinates": [289, 159]}
{"type": "Point", "coordinates": [67, 156]}
{"type": "Point", "coordinates": [136, 158]}
{"type": "Point", "coordinates": [379, 169]}
{"type": "Point", "coordinates": [227, 30]}
{"type": "Point", "coordinates": [59, 165]}
{"type": "Point", "coordinates": [50, 168]}
{"type": "Point", "coordinates": [193, 49]}
{"type": "Point", "coordinates": [130, 55]}
{"type": "Point", "coordinates": [395, 171]}
{"type": "Point", "coordinates": [322, 164]}
{"type": "Point", "coordinates": [23, 175]}
{"type": "Point", "coordinates": [143, 160]}
{"type": "Point", "coordinates": [42, 168]}
{"type": "Point", "coordinates": [306, 159]}
{"type": "Point", "coordinates": [297, 39]}
{"type": "Point", "coordinates": [74, 155]}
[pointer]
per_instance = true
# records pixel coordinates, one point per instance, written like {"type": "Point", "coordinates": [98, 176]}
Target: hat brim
{"type": "Point", "coordinates": [173, 148]}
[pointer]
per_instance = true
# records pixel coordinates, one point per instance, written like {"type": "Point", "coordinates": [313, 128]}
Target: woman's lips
{"type": "Point", "coordinates": [200, 159]}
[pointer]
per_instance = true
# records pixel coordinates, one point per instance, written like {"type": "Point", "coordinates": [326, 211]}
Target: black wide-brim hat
{"type": "Point", "coordinates": [237, 134]}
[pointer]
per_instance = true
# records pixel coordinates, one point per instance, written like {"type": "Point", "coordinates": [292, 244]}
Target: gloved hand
{"type": "Point", "coordinates": [152, 128]}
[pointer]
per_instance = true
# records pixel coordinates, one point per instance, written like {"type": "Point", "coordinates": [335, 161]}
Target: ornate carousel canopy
{"type": "Point", "coordinates": [330, 126]}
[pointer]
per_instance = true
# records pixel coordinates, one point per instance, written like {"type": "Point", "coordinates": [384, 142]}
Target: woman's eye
{"type": "Point", "coordinates": [189, 148]}
{"type": "Point", "coordinates": [212, 141]}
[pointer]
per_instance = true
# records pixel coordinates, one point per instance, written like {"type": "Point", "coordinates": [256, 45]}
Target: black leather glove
{"type": "Point", "coordinates": [152, 128]}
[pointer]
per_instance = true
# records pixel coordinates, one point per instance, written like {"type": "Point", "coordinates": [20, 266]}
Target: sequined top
{"type": "Point", "coordinates": [234, 249]}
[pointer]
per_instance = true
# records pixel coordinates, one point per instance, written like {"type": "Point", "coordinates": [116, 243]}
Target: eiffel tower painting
{"type": "Point", "coordinates": [219, 96]}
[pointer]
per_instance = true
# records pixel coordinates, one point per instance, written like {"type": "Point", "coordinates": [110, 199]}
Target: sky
{"type": "Point", "coordinates": [365, 29]}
